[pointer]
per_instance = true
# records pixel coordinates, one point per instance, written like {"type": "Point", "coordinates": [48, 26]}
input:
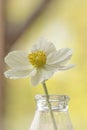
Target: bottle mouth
{"type": "Point", "coordinates": [58, 102]}
{"type": "Point", "coordinates": [57, 98]}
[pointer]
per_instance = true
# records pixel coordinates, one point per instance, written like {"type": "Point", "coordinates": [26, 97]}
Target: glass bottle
{"type": "Point", "coordinates": [59, 107]}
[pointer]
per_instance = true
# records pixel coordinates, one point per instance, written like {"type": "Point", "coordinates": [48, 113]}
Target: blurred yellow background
{"type": "Point", "coordinates": [64, 22]}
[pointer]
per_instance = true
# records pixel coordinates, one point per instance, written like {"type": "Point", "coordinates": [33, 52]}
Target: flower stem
{"type": "Point", "coordinates": [49, 105]}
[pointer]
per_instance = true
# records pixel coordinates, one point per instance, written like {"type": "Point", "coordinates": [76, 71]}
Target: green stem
{"type": "Point", "coordinates": [49, 105]}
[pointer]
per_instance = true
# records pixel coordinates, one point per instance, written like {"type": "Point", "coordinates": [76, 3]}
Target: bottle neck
{"type": "Point", "coordinates": [58, 102]}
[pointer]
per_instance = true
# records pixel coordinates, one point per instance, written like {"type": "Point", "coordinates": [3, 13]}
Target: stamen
{"type": "Point", "coordinates": [37, 58]}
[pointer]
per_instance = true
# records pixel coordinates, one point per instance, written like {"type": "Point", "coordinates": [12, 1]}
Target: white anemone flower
{"type": "Point", "coordinates": [40, 63]}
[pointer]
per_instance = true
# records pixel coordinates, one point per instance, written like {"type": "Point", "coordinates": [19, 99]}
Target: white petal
{"type": "Point", "coordinates": [44, 45]}
{"type": "Point", "coordinates": [50, 68]}
{"type": "Point", "coordinates": [50, 48]}
{"type": "Point", "coordinates": [66, 67]}
{"type": "Point", "coordinates": [17, 59]}
{"type": "Point", "coordinates": [41, 76]}
{"type": "Point", "coordinates": [59, 57]}
{"type": "Point", "coordinates": [16, 74]}
{"type": "Point", "coordinates": [40, 45]}
{"type": "Point", "coordinates": [58, 68]}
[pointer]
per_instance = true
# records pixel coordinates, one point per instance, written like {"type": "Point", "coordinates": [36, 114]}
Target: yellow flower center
{"type": "Point", "coordinates": [37, 58]}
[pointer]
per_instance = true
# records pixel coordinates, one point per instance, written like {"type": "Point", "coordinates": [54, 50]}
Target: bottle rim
{"type": "Point", "coordinates": [52, 97]}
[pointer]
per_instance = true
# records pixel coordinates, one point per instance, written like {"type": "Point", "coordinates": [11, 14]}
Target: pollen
{"type": "Point", "coordinates": [37, 58]}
